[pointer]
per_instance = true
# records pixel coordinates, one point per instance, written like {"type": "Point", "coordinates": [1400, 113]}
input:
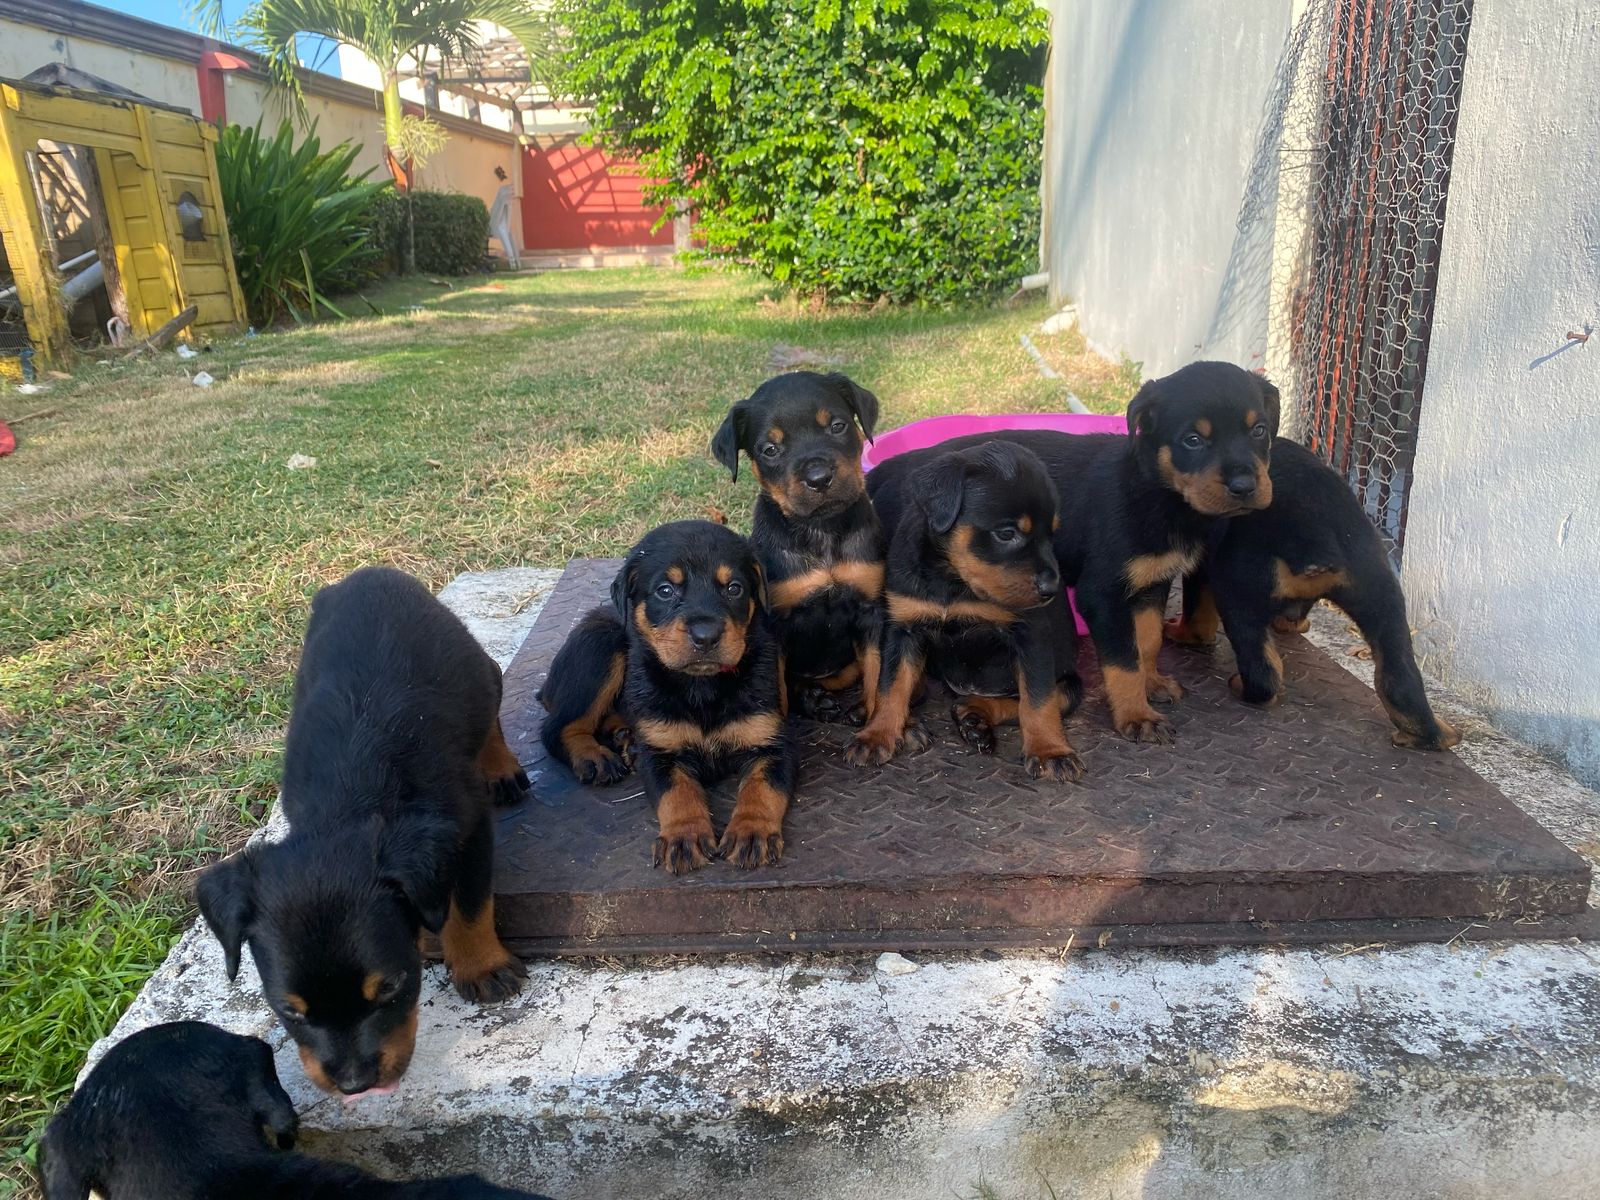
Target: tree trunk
{"type": "Point", "coordinates": [399, 166]}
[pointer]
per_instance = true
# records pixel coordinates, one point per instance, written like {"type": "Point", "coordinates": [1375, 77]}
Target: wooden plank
{"type": "Point", "coordinates": [24, 234]}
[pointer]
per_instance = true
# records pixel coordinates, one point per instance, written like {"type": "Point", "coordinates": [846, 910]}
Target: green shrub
{"type": "Point", "coordinates": [293, 210]}
{"type": "Point", "coordinates": [452, 232]}
{"type": "Point", "coordinates": [386, 225]}
{"type": "Point", "coordinates": [858, 151]}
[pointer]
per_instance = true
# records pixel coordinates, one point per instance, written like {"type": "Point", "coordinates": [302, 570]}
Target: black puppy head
{"type": "Point", "coordinates": [119, 1126]}
{"type": "Point", "coordinates": [803, 431]}
{"type": "Point", "coordinates": [993, 508]}
{"type": "Point", "coordinates": [688, 592]}
{"type": "Point", "coordinates": [1206, 431]}
{"type": "Point", "coordinates": [332, 925]}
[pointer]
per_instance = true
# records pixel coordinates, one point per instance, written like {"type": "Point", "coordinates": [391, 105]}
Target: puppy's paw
{"type": "Point", "coordinates": [1179, 631]}
{"type": "Point", "coordinates": [621, 739]}
{"type": "Point", "coordinates": [601, 767]}
{"type": "Point", "coordinates": [748, 842]}
{"type": "Point", "coordinates": [684, 848]}
{"type": "Point", "coordinates": [1147, 726]}
{"type": "Point", "coordinates": [1289, 625]}
{"type": "Point", "coordinates": [871, 748]}
{"type": "Point", "coordinates": [490, 983]}
{"type": "Point", "coordinates": [977, 733]}
{"type": "Point", "coordinates": [509, 789]}
{"type": "Point", "coordinates": [1447, 737]}
{"type": "Point", "coordinates": [1253, 693]}
{"type": "Point", "coordinates": [1163, 689]}
{"type": "Point", "coordinates": [915, 739]}
{"type": "Point", "coordinates": [1059, 768]}
{"type": "Point", "coordinates": [818, 704]}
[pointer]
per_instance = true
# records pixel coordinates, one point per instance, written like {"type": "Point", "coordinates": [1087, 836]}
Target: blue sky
{"type": "Point", "coordinates": [175, 13]}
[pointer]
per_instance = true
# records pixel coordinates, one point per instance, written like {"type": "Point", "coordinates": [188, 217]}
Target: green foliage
{"type": "Point", "coordinates": [452, 232]}
{"type": "Point", "coordinates": [290, 205]}
{"type": "Point", "coordinates": [385, 221]}
{"type": "Point", "coordinates": [855, 150]}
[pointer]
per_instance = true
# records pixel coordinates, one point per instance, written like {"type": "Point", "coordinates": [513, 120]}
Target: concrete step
{"type": "Point", "coordinates": [1465, 1070]}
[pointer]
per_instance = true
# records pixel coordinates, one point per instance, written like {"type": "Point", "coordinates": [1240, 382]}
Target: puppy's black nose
{"type": "Point", "coordinates": [705, 632]}
{"type": "Point", "coordinates": [817, 475]}
{"type": "Point", "coordinates": [1242, 487]}
{"type": "Point", "coordinates": [1048, 584]}
{"type": "Point", "coordinates": [354, 1080]}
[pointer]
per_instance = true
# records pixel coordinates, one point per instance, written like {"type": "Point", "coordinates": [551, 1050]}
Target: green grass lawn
{"type": "Point", "coordinates": [156, 557]}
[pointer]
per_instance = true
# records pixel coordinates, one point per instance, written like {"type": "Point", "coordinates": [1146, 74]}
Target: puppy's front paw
{"type": "Point", "coordinates": [509, 789]}
{"type": "Point", "coordinates": [1290, 625]}
{"type": "Point", "coordinates": [751, 842]}
{"type": "Point", "coordinates": [600, 767]}
{"type": "Point", "coordinates": [1447, 737]}
{"type": "Point", "coordinates": [1253, 693]}
{"type": "Point", "coordinates": [490, 983]}
{"type": "Point", "coordinates": [1060, 768]}
{"type": "Point", "coordinates": [977, 733]}
{"type": "Point", "coordinates": [1147, 726]}
{"type": "Point", "coordinates": [871, 748]}
{"type": "Point", "coordinates": [686, 847]}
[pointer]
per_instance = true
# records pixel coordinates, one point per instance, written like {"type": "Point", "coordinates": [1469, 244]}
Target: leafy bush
{"type": "Point", "coordinates": [385, 221]}
{"type": "Point", "coordinates": [858, 151]}
{"type": "Point", "coordinates": [293, 211]}
{"type": "Point", "coordinates": [452, 232]}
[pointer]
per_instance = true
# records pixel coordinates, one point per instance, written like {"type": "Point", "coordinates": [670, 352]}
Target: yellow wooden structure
{"type": "Point", "coordinates": [157, 166]}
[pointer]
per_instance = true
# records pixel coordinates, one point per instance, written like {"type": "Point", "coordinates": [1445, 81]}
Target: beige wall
{"type": "Point", "coordinates": [24, 48]}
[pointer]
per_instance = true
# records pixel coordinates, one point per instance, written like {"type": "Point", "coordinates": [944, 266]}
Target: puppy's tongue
{"type": "Point", "coordinates": [377, 1091]}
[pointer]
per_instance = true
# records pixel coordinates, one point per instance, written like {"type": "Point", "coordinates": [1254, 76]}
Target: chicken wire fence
{"type": "Point", "coordinates": [1357, 136]}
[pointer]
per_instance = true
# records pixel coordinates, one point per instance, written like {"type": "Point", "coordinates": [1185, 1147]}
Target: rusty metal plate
{"type": "Point", "coordinates": [1295, 823]}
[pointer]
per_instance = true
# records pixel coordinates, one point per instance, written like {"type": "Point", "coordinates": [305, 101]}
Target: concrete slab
{"type": "Point", "coordinates": [1464, 1070]}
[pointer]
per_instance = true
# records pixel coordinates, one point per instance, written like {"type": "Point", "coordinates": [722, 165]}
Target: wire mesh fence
{"type": "Point", "coordinates": [1368, 96]}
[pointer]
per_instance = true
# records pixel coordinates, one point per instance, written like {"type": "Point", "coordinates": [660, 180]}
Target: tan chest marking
{"type": "Point", "coordinates": [911, 610]}
{"type": "Point", "coordinates": [863, 577]}
{"type": "Point", "coordinates": [1148, 569]}
{"type": "Point", "coordinates": [674, 737]}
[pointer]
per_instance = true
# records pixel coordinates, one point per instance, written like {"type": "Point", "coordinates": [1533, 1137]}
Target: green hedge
{"type": "Point", "coordinates": [452, 232]}
{"type": "Point", "coordinates": [888, 149]}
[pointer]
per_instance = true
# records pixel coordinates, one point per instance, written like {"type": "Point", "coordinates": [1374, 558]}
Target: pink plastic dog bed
{"type": "Point", "coordinates": [919, 435]}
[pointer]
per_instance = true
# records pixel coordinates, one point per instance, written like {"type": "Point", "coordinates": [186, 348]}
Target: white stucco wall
{"type": "Point", "coordinates": [1502, 551]}
{"type": "Point", "coordinates": [26, 48]}
{"type": "Point", "coordinates": [1154, 108]}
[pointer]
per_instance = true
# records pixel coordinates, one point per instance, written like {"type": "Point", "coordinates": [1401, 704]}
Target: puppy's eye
{"type": "Point", "coordinates": [390, 989]}
{"type": "Point", "coordinates": [771, 450]}
{"type": "Point", "coordinates": [1193, 441]}
{"type": "Point", "coordinates": [1259, 432]}
{"type": "Point", "coordinates": [290, 1017]}
{"type": "Point", "coordinates": [734, 589]}
{"type": "Point", "coordinates": [838, 427]}
{"type": "Point", "coordinates": [1005, 534]}
{"type": "Point", "coordinates": [665, 591]}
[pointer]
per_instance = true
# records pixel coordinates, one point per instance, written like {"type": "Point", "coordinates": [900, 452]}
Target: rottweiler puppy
{"type": "Point", "coordinates": [393, 753]}
{"type": "Point", "coordinates": [1269, 568]}
{"type": "Point", "coordinates": [974, 600]}
{"type": "Point", "coordinates": [686, 660]}
{"type": "Point", "coordinates": [1138, 512]}
{"type": "Point", "coordinates": [187, 1111]}
{"type": "Point", "coordinates": [815, 532]}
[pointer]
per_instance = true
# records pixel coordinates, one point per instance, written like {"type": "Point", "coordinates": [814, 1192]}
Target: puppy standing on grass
{"type": "Point", "coordinates": [1269, 569]}
{"type": "Point", "coordinates": [393, 753]}
{"type": "Point", "coordinates": [187, 1111]}
{"type": "Point", "coordinates": [815, 532]}
{"type": "Point", "coordinates": [1137, 512]}
{"type": "Point", "coordinates": [974, 599]}
{"type": "Point", "coordinates": [686, 659]}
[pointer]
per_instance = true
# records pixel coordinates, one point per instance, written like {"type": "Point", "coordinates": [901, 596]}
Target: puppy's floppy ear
{"type": "Point", "coordinates": [729, 441]}
{"type": "Point", "coordinates": [939, 487]}
{"type": "Point", "coordinates": [60, 1174]}
{"type": "Point", "coordinates": [415, 859]}
{"type": "Point", "coordinates": [1269, 397]}
{"type": "Point", "coordinates": [1141, 411]}
{"type": "Point", "coordinates": [862, 402]}
{"type": "Point", "coordinates": [622, 586]}
{"type": "Point", "coordinates": [761, 584]}
{"type": "Point", "coordinates": [226, 894]}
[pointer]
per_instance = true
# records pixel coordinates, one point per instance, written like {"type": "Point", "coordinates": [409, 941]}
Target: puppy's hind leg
{"type": "Point", "coordinates": [1377, 606]}
{"type": "Point", "coordinates": [481, 968]}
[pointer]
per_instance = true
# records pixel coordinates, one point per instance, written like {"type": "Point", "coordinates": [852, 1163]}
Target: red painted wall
{"type": "Point", "coordinates": [577, 197]}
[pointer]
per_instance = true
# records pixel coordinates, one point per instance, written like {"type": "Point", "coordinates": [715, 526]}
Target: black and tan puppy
{"type": "Point", "coordinates": [393, 753]}
{"type": "Point", "coordinates": [975, 601]}
{"type": "Point", "coordinates": [187, 1111]}
{"type": "Point", "coordinates": [1269, 568]}
{"type": "Point", "coordinates": [814, 531]}
{"type": "Point", "coordinates": [684, 658]}
{"type": "Point", "coordinates": [1137, 512]}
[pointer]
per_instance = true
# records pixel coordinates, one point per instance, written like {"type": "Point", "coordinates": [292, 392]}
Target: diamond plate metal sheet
{"type": "Point", "coordinates": [1295, 823]}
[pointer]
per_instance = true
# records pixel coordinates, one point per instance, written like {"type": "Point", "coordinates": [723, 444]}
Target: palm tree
{"type": "Point", "coordinates": [388, 32]}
